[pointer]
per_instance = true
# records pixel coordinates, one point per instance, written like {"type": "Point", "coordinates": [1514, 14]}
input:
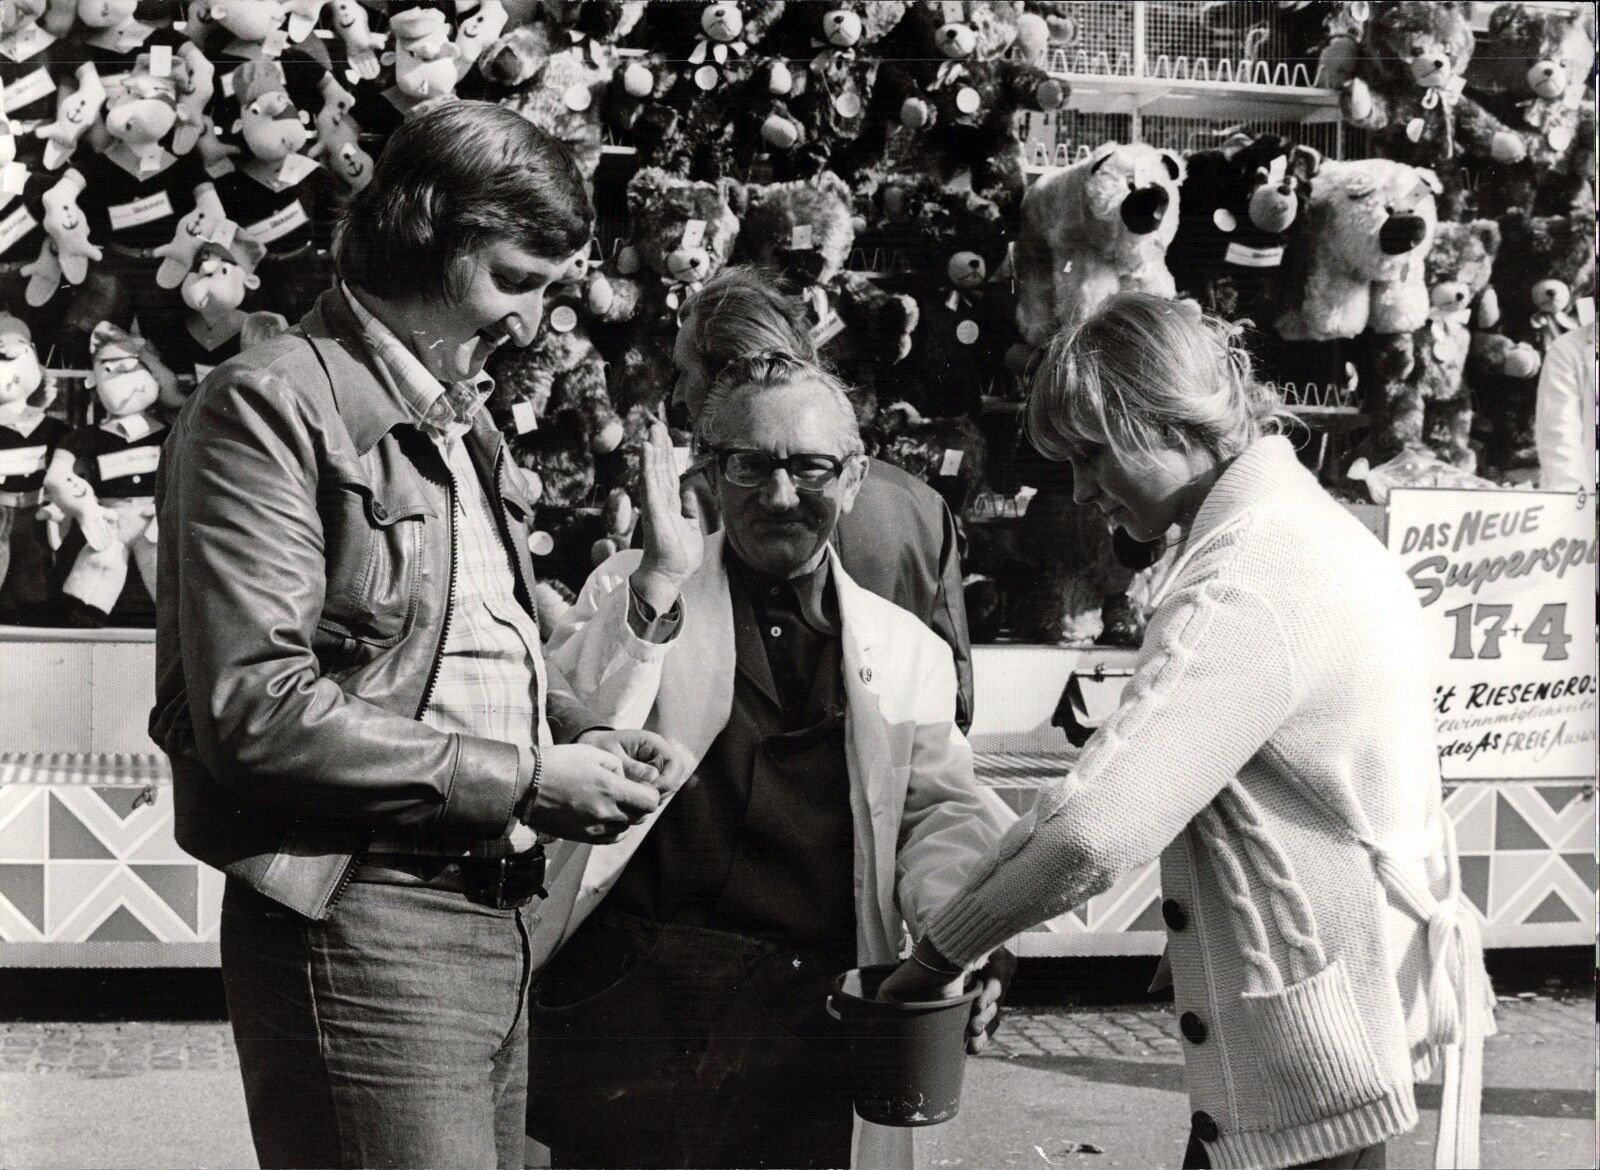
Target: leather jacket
{"type": "Point", "coordinates": [306, 579]}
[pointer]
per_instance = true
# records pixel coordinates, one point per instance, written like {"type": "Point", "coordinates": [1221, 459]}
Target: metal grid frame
{"type": "Point", "coordinates": [1063, 137]}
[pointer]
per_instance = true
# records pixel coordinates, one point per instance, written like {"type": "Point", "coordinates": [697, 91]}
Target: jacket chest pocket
{"type": "Point", "coordinates": [374, 547]}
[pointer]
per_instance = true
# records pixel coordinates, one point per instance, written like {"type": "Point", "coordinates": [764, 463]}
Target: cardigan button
{"type": "Point", "coordinates": [379, 512]}
{"type": "Point", "coordinates": [1193, 1028]}
{"type": "Point", "coordinates": [1175, 916]}
{"type": "Point", "coordinates": [1204, 1126]}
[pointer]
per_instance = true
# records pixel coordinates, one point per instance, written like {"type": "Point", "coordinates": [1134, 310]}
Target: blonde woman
{"type": "Point", "coordinates": [1275, 748]}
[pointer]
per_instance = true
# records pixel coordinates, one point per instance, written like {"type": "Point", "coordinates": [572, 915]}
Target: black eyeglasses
{"type": "Point", "coordinates": [748, 468]}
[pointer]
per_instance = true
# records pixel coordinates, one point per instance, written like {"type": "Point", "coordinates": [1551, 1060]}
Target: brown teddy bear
{"type": "Point", "coordinates": [683, 233]}
{"type": "Point", "coordinates": [1358, 263]}
{"type": "Point", "coordinates": [1095, 228]}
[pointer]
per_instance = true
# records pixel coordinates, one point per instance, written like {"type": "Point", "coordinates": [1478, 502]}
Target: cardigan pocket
{"type": "Point", "coordinates": [1316, 1058]}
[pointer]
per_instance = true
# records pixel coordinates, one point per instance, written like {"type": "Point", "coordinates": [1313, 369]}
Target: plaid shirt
{"type": "Point", "coordinates": [486, 682]}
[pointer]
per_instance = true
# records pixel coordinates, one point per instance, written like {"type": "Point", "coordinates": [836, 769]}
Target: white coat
{"type": "Point", "coordinates": [922, 824]}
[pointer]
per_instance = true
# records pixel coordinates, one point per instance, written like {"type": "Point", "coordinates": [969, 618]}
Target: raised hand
{"type": "Point", "coordinates": [672, 541]}
{"type": "Point", "coordinates": [585, 795]}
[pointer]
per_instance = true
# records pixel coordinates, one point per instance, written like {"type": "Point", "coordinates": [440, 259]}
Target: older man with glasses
{"type": "Point", "coordinates": [832, 803]}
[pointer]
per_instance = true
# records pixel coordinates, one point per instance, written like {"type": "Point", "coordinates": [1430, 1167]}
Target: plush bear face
{"type": "Point", "coordinates": [843, 24]}
{"type": "Point", "coordinates": [734, 25]}
{"type": "Point", "coordinates": [1377, 216]}
{"type": "Point", "coordinates": [1460, 263]}
{"type": "Point", "coordinates": [802, 229]}
{"type": "Point", "coordinates": [601, 20]}
{"type": "Point", "coordinates": [684, 230]}
{"type": "Point", "coordinates": [959, 234]}
{"type": "Point", "coordinates": [1133, 190]}
{"type": "Point", "coordinates": [1545, 54]}
{"type": "Point", "coordinates": [1546, 266]}
{"type": "Point", "coordinates": [1419, 43]}
{"type": "Point", "coordinates": [964, 30]}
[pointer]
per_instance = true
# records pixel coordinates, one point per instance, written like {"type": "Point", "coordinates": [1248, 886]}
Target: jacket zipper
{"type": "Point", "coordinates": [449, 612]}
{"type": "Point", "coordinates": [344, 880]}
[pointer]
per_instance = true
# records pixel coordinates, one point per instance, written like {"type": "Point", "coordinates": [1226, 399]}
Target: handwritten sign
{"type": "Point", "coordinates": [1507, 586]}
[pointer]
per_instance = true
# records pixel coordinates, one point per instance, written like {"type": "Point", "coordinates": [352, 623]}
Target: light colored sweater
{"type": "Point", "coordinates": [1275, 747]}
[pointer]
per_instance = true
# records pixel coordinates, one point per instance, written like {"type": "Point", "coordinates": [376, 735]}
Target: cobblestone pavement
{"type": "Point", "coordinates": [102, 1050]}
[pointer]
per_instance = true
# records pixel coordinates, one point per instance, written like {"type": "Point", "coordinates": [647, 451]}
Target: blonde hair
{"type": "Point", "coordinates": [772, 369]}
{"type": "Point", "coordinates": [743, 310]}
{"type": "Point", "coordinates": [1144, 374]}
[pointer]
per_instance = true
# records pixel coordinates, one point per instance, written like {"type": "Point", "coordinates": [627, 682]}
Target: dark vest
{"type": "Point", "coordinates": [760, 841]}
{"type": "Point", "coordinates": [29, 454]}
{"type": "Point", "coordinates": [117, 468]}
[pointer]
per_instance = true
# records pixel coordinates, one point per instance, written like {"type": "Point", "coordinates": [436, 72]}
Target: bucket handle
{"type": "Point", "coordinates": [832, 1009]}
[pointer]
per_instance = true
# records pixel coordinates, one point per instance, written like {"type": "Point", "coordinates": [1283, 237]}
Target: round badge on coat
{"type": "Point", "coordinates": [967, 332]}
{"type": "Point", "coordinates": [563, 319]}
{"type": "Point", "coordinates": [577, 98]}
{"type": "Point", "coordinates": [866, 674]}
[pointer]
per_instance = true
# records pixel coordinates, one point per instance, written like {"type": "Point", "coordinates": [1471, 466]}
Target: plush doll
{"type": "Point", "coordinates": [960, 94]}
{"type": "Point", "coordinates": [556, 74]}
{"type": "Point", "coordinates": [222, 276]}
{"type": "Point", "coordinates": [957, 246]}
{"type": "Point", "coordinates": [1236, 209]}
{"type": "Point", "coordinates": [1092, 229]}
{"type": "Point", "coordinates": [67, 251]}
{"type": "Point", "coordinates": [1413, 382]}
{"type": "Point", "coordinates": [1358, 261]}
{"type": "Point", "coordinates": [34, 65]}
{"type": "Point", "coordinates": [278, 193]}
{"type": "Point", "coordinates": [1532, 75]}
{"type": "Point", "coordinates": [683, 234]}
{"type": "Point", "coordinates": [947, 454]}
{"type": "Point", "coordinates": [28, 439]}
{"type": "Point", "coordinates": [832, 47]}
{"type": "Point", "coordinates": [1408, 93]}
{"type": "Point", "coordinates": [805, 231]}
{"type": "Point", "coordinates": [103, 476]}
{"type": "Point", "coordinates": [425, 60]}
{"type": "Point", "coordinates": [113, 33]}
{"type": "Point", "coordinates": [559, 371]}
{"type": "Point", "coordinates": [1544, 279]}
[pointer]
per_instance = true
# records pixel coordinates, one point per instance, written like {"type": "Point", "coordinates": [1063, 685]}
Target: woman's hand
{"type": "Point", "coordinates": [923, 977]}
{"type": "Point", "coordinates": [994, 977]}
{"type": "Point", "coordinates": [672, 541]}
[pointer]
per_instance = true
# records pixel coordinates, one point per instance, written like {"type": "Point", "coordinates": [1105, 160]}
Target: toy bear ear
{"type": "Point", "coordinates": [736, 193]}
{"type": "Point", "coordinates": [1430, 180]}
{"type": "Point", "coordinates": [1237, 141]}
{"type": "Point", "coordinates": [1104, 151]}
{"type": "Point", "coordinates": [1173, 161]}
{"type": "Point", "coordinates": [1304, 163]}
{"type": "Point", "coordinates": [1488, 232]}
{"type": "Point", "coordinates": [644, 188]}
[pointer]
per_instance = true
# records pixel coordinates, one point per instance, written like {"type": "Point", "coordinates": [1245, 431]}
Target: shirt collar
{"type": "Point", "coordinates": [812, 593]}
{"type": "Point", "coordinates": [21, 417]}
{"type": "Point", "coordinates": [131, 427]}
{"type": "Point", "coordinates": [443, 410]}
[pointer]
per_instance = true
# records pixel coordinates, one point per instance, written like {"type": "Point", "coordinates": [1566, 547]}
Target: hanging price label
{"type": "Point", "coordinates": [524, 417]}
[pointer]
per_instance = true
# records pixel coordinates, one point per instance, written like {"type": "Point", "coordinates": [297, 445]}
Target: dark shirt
{"type": "Point", "coordinates": [118, 468]}
{"type": "Point", "coordinates": [760, 841]}
{"type": "Point", "coordinates": [29, 454]}
{"type": "Point", "coordinates": [137, 213]}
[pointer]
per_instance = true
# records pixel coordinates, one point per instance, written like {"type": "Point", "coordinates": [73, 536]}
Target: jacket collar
{"type": "Point", "coordinates": [369, 407]}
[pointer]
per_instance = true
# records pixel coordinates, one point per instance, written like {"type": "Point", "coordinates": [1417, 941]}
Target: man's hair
{"type": "Point", "coordinates": [743, 310]}
{"type": "Point", "coordinates": [448, 184]}
{"type": "Point", "coordinates": [773, 369]}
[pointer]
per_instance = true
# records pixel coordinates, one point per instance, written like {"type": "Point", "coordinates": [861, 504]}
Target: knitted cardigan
{"type": "Point", "coordinates": [1276, 748]}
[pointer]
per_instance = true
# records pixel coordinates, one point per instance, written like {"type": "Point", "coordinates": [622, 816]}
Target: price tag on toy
{"type": "Point", "coordinates": [16, 225]}
{"type": "Point", "coordinates": [151, 161]}
{"type": "Point", "coordinates": [227, 84]}
{"type": "Point", "coordinates": [1585, 310]}
{"type": "Point", "coordinates": [140, 211]}
{"type": "Point", "coordinates": [137, 461]}
{"type": "Point", "coordinates": [1224, 220]}
{"type": "Point", "coordinates": [563, 319]}
{"type": "Point", "coordinates": [968, 100]}
{"type": "Point", "coordinates": [800, 239]}
{"type": "Point", "coordinates": [27, 90]}
{"type": "Point", "coordinates": [1444, 347]}
{"type": "Point", "coordinates": [13, 178]}
{"type": "Point", "coordinates": [202, 372]}
{"type": "Point", "coordinates": [953, 11]}
{"type": "Point", "coordinates": [541, 544]}
{"type": "Point", "coordinates": [524, 417]}
{"type": "Point", "coordinates": [22, 460]}
{"type": "Point", "coordinates": [1244, 256]}
{"type": "Point", "coordinates": [280, 223]}
{"type": "Point", "coordinates": [295, 168]}
{"type": "Point", "coordinates": [577, 98]}
{"type": "Point", "coordinates": [222, 235]}
{"type": "Point", "coordinates": [706, 77]}
{"type": "Point", "coordinates": [1414, 129]}
{"type": "Point", "coordinates": [160, 60]}
{"type": "Point", "coordinates": [28, 41]}
{"type": "Point", "coordinates": [1559, 136]}
{"type": "Point", "coordinates": [967, 332]}
{"type": "Point", "coordinates": [950, 464]}
{"type": "Point", "coordinates": [694, 233]}
{"type": "Point", "coordinates": [847, 105]}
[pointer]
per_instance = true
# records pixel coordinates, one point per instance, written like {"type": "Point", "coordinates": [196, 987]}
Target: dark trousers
{"type": "Point", "coordinates": [673, 1046]}
{"type": "Point", "coordinates": [1367, 1158]}
{"type": "Point", "coordinates": [393, 1033]}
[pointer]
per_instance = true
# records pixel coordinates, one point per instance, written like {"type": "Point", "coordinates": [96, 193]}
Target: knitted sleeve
{"type": "Point", "coordinates": [1214, 680]}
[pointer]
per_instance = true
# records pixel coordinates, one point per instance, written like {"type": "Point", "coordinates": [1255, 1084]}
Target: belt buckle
{"type": "Point", "coordinates": [504, 883]}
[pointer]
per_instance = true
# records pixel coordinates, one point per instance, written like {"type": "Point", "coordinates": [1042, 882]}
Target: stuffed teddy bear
{"type": "Point", "coordinates": [1357, 263]}
{"type": "Point", "coordinates": [556, 74]}
{"type": "Point", "coordinates": [683, 232]}
{"type": "Point", "coordinates": [947, 454]}
{"type": "Point", "coordinates": [1413, 382]}
{"type": "Point", "coordinates": [28, 440]}
{"type": "Point", "coordinates": [1236, 208]}
{"type": "Point", "coordinates": [959, 93]}
{"type": "Point", "coordinates": [1098, 227]}
{"type": "Point", "coordinates": [689, 105]}
{"type": "Point", "coordinates": [103, 475]}
{"type": "Point", "coordinates": [1533, 75]}
{"type": "Point", "coordinates": [1544, 280]}
{"type": "Point", "coordinates": [821, 121]}
{"type": "Point", "coordinates": [956, 244]}
{"type": "Point", "coordinates": [1408, 93]}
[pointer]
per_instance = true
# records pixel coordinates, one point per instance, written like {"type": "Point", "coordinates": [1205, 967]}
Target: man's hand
{"type": "Point", "coordinates": [672, 541]}
{"type": "Point", "coordinates": [646, 757]}
{"type": "Point", "coordinates": [993, 977]}
{"type": "Point", "coordinates": [585, 795]}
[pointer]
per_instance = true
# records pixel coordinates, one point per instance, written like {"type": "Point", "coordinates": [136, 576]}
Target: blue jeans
{"type": "Point", "coordinates": [393, 1033]}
